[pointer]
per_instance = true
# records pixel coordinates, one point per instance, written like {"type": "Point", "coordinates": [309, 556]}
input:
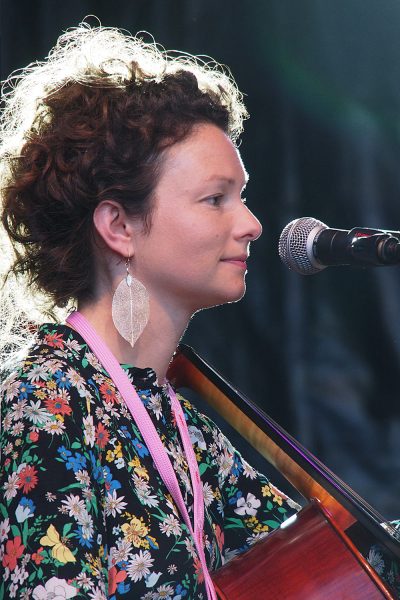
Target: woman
{"type": "Point", "coordinates": [121, 196]}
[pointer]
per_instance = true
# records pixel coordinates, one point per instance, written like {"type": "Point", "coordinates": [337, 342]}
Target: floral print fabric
{"type": "Point", "coordinates": [83, 511]}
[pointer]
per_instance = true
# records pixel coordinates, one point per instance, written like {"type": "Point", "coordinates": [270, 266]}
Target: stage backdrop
{"type": "Point", "coordinates": [322, 81]}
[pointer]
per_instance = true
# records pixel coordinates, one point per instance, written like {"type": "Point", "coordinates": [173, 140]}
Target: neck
{"type": "Point", "coordinates": [156, 345]}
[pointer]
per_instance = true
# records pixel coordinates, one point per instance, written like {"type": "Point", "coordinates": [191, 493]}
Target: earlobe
{"type": "Point", "coordinates": [112, 225]}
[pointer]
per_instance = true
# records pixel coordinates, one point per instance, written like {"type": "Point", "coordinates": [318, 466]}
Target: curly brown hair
{"type": "Point", "coordinates": [87, 124]}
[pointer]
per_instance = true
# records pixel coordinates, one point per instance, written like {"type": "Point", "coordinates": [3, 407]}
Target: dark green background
{"type": "Point", "coordinates": [322, 83]}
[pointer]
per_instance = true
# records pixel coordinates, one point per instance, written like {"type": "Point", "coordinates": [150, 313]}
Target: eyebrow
{"type": "Point", "coordinates": [228, 180]}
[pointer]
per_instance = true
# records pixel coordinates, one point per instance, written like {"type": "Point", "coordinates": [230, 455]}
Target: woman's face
{"type": "Point", "coordinates": [194, 254]}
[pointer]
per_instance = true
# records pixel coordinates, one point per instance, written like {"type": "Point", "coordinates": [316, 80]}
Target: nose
{"type": "Point", "coordinates": [250, 227]}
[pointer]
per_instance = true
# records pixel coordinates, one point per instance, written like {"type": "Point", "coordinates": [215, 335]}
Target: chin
{"type": "Point", "coordinates": [226, 298]}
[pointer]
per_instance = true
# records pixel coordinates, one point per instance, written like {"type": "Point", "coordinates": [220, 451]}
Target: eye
{"type": "Point", "coordinates": [215, 200]}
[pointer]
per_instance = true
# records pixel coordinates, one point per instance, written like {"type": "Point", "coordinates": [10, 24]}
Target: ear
{"type": "Point", "coordinates": [114, 227]}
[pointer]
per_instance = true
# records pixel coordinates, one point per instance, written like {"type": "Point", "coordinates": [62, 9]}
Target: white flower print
{"type": "Point", "coordinates": [146, 498]}
{"type": "Point", "coordinates": [11, 486]}
{"type": "Point", "coordinates": [19, 574]}
{"type": "Point", "coordinates": [164, 592]}
{"type": "Point", "coordinates": [113, 504]}
{"type": "Point", "coordinates": [89, 430]}
{"type": "Point", "coordinates": [17, 428]}
{"type": "Point", "coordinates": [83, 580]}
{"type": "Point", "coordinates": [207, 493]}
{"type": "Point", "coordinates": [83, 477]}
{"type": "Point", "coordinates": [36, 373]}
{"type": "Point", "coordinates": [171, 525]}
{"type": "Point", "coordinates": [225, 463]}
{"type": "Point", "coordinates": [75, 506]}
{"type": "Point", "coordinates": [36, 414]}
{"type": "Point", "coordinates": [248, 470]}
{"type": "Point", "coordinates": [55, 427]}
{"type": "Point", "coordinates": [4, 529]}
{"type": "Point", "coordinates": [140, 565]}
{"type": "Point", "coordinates": [248, 506]}
{"type": "Point", "coordinates": [121, 552]}
{"type": "Point", "coordinates": [97, 594]}
{"type": "Point", "coordinates": [73, 345]}
{"type": "Point", "coordinates": [87, 525]}
{"type": "Point", "coordinates": [172, 569]}
{"type": "Point", "coordinates": [56, 589]}
{"type": "Point", "coordinates": [18, 409]}
{"type": "Point", "coordinates": [154, 405]}
{"type": "Point", "coordinates": [92, 360]}
{"type": "Point", "coordinates": [196, 437]}
{"type": "Point", "coordinates": [76, 380]}
{"type": "Point", "coordinates": [11, 387]}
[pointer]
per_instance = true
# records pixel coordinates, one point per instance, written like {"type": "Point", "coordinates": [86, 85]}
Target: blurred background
{"type": "Point", "coordinates": [321, 354]}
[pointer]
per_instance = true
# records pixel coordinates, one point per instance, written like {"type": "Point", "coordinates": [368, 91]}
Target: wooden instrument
{"type": "Point", "coordinates": [315, 557]}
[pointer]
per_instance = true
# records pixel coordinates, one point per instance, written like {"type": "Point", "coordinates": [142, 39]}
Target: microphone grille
{"type": "Point", "coordinates": [294, 243]}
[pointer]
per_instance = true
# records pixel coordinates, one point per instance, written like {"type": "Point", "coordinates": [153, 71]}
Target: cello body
{"type": "Point", "coordinates": [313, 556]}
{"type": "Point", "coordinates": [307, 560]}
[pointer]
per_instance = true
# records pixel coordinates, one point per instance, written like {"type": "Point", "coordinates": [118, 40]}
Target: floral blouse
{"type": "Point", "coordinates": [83, 511]}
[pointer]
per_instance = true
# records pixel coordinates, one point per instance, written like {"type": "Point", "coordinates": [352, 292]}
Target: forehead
{"type": "Point", "coordinates": [207, 155]}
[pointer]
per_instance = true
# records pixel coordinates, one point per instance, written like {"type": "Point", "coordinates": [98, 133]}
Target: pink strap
{"type": "Point", "coordinates": [152, 439]}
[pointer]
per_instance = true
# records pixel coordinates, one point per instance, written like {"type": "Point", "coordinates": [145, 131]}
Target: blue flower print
{"type": "Point", "coordinates": [24, 390]}
{"type": "Point", "coordinates": [76, 463]}
{"type": "Point", "coordinates": [84, 541]}
{"type": "Point", "coordinates": [111, 484]}
{"type": "Point", "coordinates": [25, 509]}
{"type": "Point", "coordinates": [62, 380]}
{"type": "Point", "coordinates": [64, 452]}
{"type": "Point", "coordinates": [141, 449]}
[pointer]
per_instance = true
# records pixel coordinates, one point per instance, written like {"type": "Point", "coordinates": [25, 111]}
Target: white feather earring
{"type": "Point", "coordinates": [130, 307]}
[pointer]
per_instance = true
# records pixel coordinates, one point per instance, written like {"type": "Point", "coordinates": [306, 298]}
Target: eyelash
{"type": "Point", "coordinates": [218, 200]}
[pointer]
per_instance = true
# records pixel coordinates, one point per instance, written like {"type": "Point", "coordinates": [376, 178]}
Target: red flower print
{"type": "Point", "coordinates": [108, 392]}
{"type": "Point", "coordinates": [58, 406]}
{"type": "Point", "coordinates": [219, 534]}
{"type": "Point", "coordinates": [37, 557]}
{"type": "Point", "coordinates": [34, 436]}
{"type": "Point", "coordinates": [102, 436]}
{"type": "Point", "coordinates": [199, 570]}
{"type": "Point", "coordinates": [27, 479]}
{"type": "Point", "coordinates": [14, 549]}
{"type": "Point", "coordinates": [54, 340]}
{"type": "Point", "coordinates": [114, 578]}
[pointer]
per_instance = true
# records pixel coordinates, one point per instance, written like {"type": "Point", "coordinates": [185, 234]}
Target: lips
{"type": "Point", "coordinates": [240, 261]}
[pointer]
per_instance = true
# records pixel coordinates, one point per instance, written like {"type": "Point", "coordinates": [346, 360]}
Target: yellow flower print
{"type": "Point", "coordinates": [277, 499]}
{"type": "Point", "coordinates": [51, 385]}
{"type": "Point", "coordinates": [135, 462]}
{"type": "Point", "coordinates": [261, 528]}
{"type": "Point", "coordinates": [41, 394]}
{"type": "Point", "coordinates": [135, 531]}
{"type": "Point", "coordinates": [109, 456]}
{"type": "Point", "coordinates": [142, 472]}
{"type": "Point", "coordinates": [59, 550]}
{"type": "Point", "coordinates": [94, 563]}
{"type": "Point", "coordinates": [251, 522]}
{"type": "Point", "coordinates": [266, 490]}
{"type": "Point", "coordinates": [118, 450]}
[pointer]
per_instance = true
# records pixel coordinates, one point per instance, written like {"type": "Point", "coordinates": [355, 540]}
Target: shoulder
{"type": "Point", "coordinates": [49, 377]}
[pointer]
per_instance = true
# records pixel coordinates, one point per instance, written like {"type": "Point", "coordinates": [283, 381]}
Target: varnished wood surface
{"type": "Point", "coordinates": [306, 560]}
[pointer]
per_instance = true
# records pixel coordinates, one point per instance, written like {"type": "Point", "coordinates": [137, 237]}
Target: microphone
{"type": "Point", "coordinates": [308, 246]}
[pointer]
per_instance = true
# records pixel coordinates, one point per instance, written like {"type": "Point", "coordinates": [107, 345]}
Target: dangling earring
{"type": "Point", "coordinates": [130, 307]}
